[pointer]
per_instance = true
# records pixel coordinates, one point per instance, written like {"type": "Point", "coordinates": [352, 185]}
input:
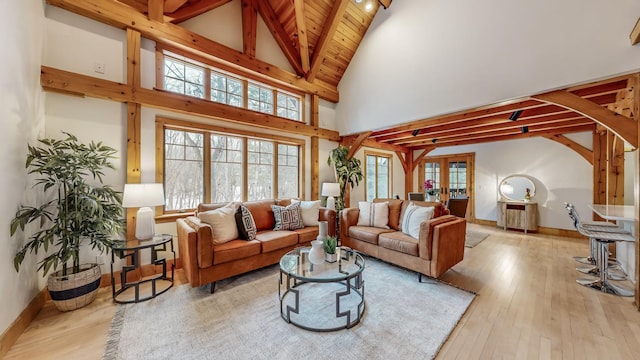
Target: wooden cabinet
{"type": "Point", "coordinates": [521, 215]}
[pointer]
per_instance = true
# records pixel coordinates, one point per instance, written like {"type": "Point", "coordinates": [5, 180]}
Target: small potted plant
{"type": "Point", "coordinates": [330, 244]}
{"type": "Point", "coordinates": [429, 190]}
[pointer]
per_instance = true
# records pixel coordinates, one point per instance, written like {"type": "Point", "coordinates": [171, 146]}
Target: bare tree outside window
{"type": "Point", "coordinates": [184, 78]}
{"type": "Point", "coordinates": [226, 168]}
{"type": "Point", "coordinates": [183, 169]}
{"type": "Point", "coordinates": [260, 169]}
{"type": "Point", "coordinates": [378, 177]}
{"type": "Point", "coordinates": [288, 171]}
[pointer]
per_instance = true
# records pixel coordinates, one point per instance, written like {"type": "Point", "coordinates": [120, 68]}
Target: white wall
{"type": "Point", "coordinates": [422, 58]}
{"type": "Point", "coordinates": [22, 122]}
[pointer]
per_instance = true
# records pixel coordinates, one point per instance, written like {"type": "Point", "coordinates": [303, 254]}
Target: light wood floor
{"type": "Point", "coordinates": [528, 307]}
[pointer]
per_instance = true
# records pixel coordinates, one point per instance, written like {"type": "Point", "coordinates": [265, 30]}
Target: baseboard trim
{"type": "Point", "coordinates": [541, 229]}
{"type": "Point", "coordinates": [20, 324]}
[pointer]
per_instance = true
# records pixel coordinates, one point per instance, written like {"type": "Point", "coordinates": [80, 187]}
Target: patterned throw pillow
{"type": "Point", "coordinates": [246, 226]}
{"type": "Point", "coordinates": [287, 218]}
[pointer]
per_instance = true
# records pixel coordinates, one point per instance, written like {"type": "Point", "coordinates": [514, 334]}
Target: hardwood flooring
{"type": "Point", "coordinates": [528, 307]}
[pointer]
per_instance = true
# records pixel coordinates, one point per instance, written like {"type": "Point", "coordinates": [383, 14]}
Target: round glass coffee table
{"type": "Point", "coordinates": [324, 297]}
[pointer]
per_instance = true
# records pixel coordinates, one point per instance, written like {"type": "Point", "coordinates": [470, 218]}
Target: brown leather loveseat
{"type": "Point", "coordinates": [205, 262]}
{"type": "Point", "coordinates": [439, 246]}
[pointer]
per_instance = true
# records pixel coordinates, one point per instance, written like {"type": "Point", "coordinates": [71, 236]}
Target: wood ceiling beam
{"type": "Point", "coordinates": [622, 126]}
{"type": "Point", "coordinates": [249, 27]}
{"type": "Point", "coordinates": [303, 41]}
{"type": "Point", "coordinates": [59, 80]}
{"type": "Point", "coordinates": [280, 35]}
{"type": "Point", "coordinates": [402, 158]}
{"type": "Point", "coordinates": [156, 10]}
{"type": "Point", "coordinates": [140, 5]}
{"type": "Point", "coordinates": [635, 35]}
{"type": "Point", "coordinates": [357, 144]}
{"type": "Point", "coordinates": [581, 150]}
{"type": "Point", "coordinates": [328, 31]}
{"type": "Point", "coordinates": [385, 3]}
{"type": "Point", "coordinates": [173, 5]}
{"type": "Point", "coordinates": [198, 8]}
{"type": "Point", "coordinates": [122, 16]}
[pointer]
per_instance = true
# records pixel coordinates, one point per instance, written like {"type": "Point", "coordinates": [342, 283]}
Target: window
{"type": "Point", "coordinates": [183, 169]}
{"type": "Point", "coordinates": [377, 176]}
{"type": "Point", "coordinates": [237, 166]}
{"type": "Point", "coordinates": [183, 78]}
{"type": "Point", "coordinates": [226, 90]}
{"type": "Point", "coordinates": [180, 75]}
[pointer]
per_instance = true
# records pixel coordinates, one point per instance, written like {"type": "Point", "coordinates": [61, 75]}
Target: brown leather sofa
{"type": "Point", "coordinates": [439, 247]}
{"type": "Point", "coordinates": [205, 263]}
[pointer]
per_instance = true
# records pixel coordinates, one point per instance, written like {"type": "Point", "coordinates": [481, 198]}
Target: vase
{"type": "Point", "coordinates": [323, 229]}
{"type": "Point", "coordinates": [316, 254]}
{"type": "Point", "coordinates": [428, 197]}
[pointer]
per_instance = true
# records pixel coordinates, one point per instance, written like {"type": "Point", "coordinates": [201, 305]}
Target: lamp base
{"type": "Point", "coordinates": [145, 224]}
{"type": "Point", "coordinates": [331, 203]}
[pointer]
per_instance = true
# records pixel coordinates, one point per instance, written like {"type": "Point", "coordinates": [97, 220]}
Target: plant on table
{"type": "Point", "coordinates": [81, 208]}
{"type": "Point", "coordinates": [330, 244]}
{"type": "Point", "coordinates": [429, 187]}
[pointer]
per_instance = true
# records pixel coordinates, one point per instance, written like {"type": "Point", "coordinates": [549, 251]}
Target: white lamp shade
{"type": "Point", "coordinates": [139, 195]}
{"type": "Point", "coordinates": [330, 189]}
{"type": "Point", "coordinates": [143, 196]}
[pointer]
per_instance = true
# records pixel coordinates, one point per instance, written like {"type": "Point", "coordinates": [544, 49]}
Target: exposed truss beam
{"type": "Point", "coordinates": [622, 126]}
{"type": "Point", "coordinates": [303, 41]}
{"type": "Point", "coordinates": [156, 10]}
{"type": "Point", "coordinates": [581, 150]}
{"type": "Point", "coordinates": [329, 29]}
{"type": "Point", "coordinates": [280, 35]}
{"type": "Point", "coordinates": [635, 33]}
{"type": "Point", "coordinates": [356, 145]}
{"type": "Point", "coordinates": [190, 11]}
{"type": "Point", "coordinates": [122, 16]}
{"type": "Point", "coordinates": [173, 5]}
{"type": "Point", "coordinates": [249, 27]}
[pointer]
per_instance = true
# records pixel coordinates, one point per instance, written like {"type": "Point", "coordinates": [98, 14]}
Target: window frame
{"type": "Point", "coordinates": [377, 155]}
{"type": "Point", "coordinates": [163, 123]}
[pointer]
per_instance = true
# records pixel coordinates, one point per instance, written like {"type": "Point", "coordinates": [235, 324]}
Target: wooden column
{"type": "Point", "coordinates": [133, 121]}
{"type": "Point", "coordinates": [315, 148]}
{"type": "Point", "coordinates": [635, 109]}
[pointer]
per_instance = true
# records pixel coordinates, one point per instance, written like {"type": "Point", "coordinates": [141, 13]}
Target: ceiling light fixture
{"type": "Point", "coordinates": [415, 132]}
{"type": "Point", "coordinates": [358, 1]}
{"type": "Point", "coordinates": [368, 6]}
{"type": "Point", "coordinates": [434, 140]}
{"type": "Point", "coordinates": [525, 129]}
{"type": "Point", "coordinates": [515, 115]}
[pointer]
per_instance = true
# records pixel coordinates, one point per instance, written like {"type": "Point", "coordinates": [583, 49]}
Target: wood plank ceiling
{"type": "Point", "coordinates": [320, 37]}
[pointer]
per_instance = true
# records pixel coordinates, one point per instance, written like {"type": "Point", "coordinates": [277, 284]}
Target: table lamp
{"type": "Point", "coordinates": [330, 190]}
{"type": "Point", "coordinates": [143, 196]}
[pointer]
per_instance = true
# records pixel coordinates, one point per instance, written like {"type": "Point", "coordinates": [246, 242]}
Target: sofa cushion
{"type": "Point", "coordinates": [373, 214]}
{"type": "Point", "coordinates": [399, 241]}
{"type": "Point", "coordinates": [287, 217]}
{"type": "Point", "coordinates": [234, 250]}
{"type": "Point", "coordinates": [307, 234]}
{"type": "Point", "coordinates": [273, 240]}
{"type": "Point", "coordinates": [245, 223]}
{"type": "Point", "coordinates": [310, 210]}
{"type": "Point", "coordinates": [395, 209]}
{"type": "Point", "coordinates": [262, 213]}
{"type": "Point", "coordinates": [367, 233]}
{"type": "Point", "coordinates": [223, 223]}
{"type": "Point", "coordinates": [413, 217]}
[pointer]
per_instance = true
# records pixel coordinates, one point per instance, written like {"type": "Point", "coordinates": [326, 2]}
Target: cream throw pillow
{"type": "Point", "coordinates": [223, 223]}
{"type": "Point", "coordinates": [413, 217]}
{"type": "Point", "coordinates": [310, 211]}
{"type": "Point", "coordinates": [373, 214]}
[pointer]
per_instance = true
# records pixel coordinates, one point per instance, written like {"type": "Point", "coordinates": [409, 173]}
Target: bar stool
{"type": "Point", "coordinates": [591, 225]}
{"type": "Point", "coordinates": [603, 239]}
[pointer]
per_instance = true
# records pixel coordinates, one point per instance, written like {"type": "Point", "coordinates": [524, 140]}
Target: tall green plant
{"type": "Point", "coordinates": [348, 171]}
{"type": "Point", "coordinates": [78, 211]}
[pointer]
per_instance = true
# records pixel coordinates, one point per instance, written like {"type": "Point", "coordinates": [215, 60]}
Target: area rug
{"type": "Point", "coordinates": [473, 238]}
{"type": "Point", "coordinates": [404, 319]}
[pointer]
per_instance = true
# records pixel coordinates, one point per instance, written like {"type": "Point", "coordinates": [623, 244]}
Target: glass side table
{"type": "Point", "coordinates": [147, 287]}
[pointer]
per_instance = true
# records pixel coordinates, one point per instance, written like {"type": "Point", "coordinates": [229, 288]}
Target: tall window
{"type": "Point", "coordinates": [271, 167]}
{"type": "Point", "coordinates": [183, 169]}
{"type": "Point", "coordinates": [183, 77]}
{"type": "Point", "coordinates": [378, 176]}
{"type": "Point", "coordinates": [288, 165]}
{"type": "Point", "coordinates": [226, 168]}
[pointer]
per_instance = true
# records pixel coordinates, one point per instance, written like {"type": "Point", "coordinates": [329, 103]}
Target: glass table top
{"type": "Point", "coordinates": [296, 263]}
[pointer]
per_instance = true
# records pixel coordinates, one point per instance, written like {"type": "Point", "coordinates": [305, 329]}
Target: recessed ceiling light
{"type": "Point", "coordinates": [368, 6]}
{"type": "Point", "coordinates": [358, 1]}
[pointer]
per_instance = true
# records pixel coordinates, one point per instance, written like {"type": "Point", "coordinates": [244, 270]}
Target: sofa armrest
{"type": "Point", "coordinates": [448, 246]}
{"type": "Point", "coordinates": [328, 215]}
{"type": "Point", "coordinates": [425, 238]}
{"type": "Point", "coordinates": [203, 244]}
{"type": "Point", "coordinates": [348, 217]}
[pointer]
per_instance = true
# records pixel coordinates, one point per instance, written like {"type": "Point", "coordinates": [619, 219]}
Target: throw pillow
{"type": "Point", "coordinates": [246, 226]}
{"type": "Point", "coordinates": [310, 210]}
{"type": "Point", "coordinates": [223, 223]}
{"type": "Point", "coordinates": [373, 214]}
{"type": "Point", "coordinates": [413, 217]}
{"type": "Point", "coordinates": [287, 217]}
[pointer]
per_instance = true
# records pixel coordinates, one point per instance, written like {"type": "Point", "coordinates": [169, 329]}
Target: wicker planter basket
{"type": "Point", "coordinates": [74, 291]}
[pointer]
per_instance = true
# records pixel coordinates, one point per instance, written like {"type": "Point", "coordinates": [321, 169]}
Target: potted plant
{"type": "Point", "coordinates": [429, 190]}
{"type": "Point", "coordinates": [330, 244]}
{"type": "Point", "coordinates": [348, 171]}
{"type": "Point", "coordinates": [78, 208]}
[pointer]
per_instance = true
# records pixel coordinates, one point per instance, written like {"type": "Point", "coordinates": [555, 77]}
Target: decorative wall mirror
{"type": "Point", "coordinates": [515, 188]}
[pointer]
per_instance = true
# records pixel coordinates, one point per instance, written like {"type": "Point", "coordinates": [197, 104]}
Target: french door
{"type": "Point", "coordinates": [452, 175]}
